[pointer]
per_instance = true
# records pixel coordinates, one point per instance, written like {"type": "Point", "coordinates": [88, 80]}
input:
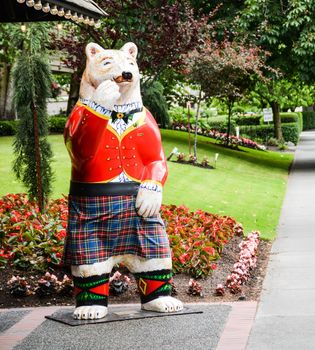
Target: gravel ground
{"type": "Point", "coordinates": [195, 331]}
{"type": "Point", "coordinates": [9, 318]}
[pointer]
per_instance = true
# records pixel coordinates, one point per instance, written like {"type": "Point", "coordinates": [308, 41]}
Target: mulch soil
{"type": "Point", "coordinates": [250, 291]}
{"type": "Point", "coordinates": [199, 165]}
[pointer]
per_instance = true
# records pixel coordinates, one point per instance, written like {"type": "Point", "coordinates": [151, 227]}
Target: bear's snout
{"type": "Point", "coordinates": [127, 75]}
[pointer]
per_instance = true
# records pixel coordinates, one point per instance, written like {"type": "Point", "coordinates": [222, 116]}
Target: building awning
{"type": "Point", "coordinates": [82, 11]}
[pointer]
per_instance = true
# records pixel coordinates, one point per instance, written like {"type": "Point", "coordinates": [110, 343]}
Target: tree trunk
{"type": "Point", "coordinates": [4, 89]}
{"type": "Point", "coordinates": [276, 120]}
{"type": "Point", "coordinates": [196, 124]}
{"type": "Point", "coordinates": [74, 90]}
{"type": "Point", "coordinates": [40, 197]}
{"type": "Point", "coordinates": [230, 106]}
{"type": "Point", "coordinates": [189, 129]}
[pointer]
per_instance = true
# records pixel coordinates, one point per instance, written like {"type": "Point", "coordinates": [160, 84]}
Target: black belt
{"type": "Point", "coordinates": [106, 189]}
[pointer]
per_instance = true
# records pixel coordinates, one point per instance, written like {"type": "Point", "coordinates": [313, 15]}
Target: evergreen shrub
{"type": "Point", "coordinates": [57, 124]}
{"type": "Point", "coordinates": [300, 115]}
{"type": "Point", "coordinates": [290, 131]}
{"type": "Point", "coordinates": [292, 117]}
{"type": "Point", "coordinates": [179, 114]}
{"type": "Point", "coordinates": [288, 117]}
{"type": "Point", "coordinates": [308, 120]}
{"type": "Point", "coordinates": [8, 127]}
{"type": "Point", "coordinates": [220, 124]}
{"type": "Point", "coordinates": [247, 120]}
{"type": "Point", "coordinates": [155, 101]}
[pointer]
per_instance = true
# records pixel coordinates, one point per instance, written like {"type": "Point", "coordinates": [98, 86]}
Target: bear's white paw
{"type": "Point", "coordinates": [90, 312]}
{"type": "Point", "coordinates": [148, 203]}
{"type": "Point", "coordinates": [107, 94]}
{"type": "Point", "coordinates": [163, 304]}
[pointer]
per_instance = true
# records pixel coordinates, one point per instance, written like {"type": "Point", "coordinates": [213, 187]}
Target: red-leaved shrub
{"type": "Point", "coordinates": [31, 240]}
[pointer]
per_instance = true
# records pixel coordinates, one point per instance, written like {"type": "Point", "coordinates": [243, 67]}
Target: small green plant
{"type": "Point", "coordinates": [282, 145]}
{"type": "Point", "coordinates": [118, 283]}
{"type": "Point", "coordinates": [181, 157]}
{"type": "Point", "coordinates": [19, 287]}
{"type": "Point", "coordinates": [195, 288]}
{"type": "Point", "coordinates": [205, 161]}
{"type": "Point", "coordinates": [47, 285]}
{"type": "Point", "coordinates": [272, 141]}
{"type": "Point", "coordinates": [192, 159]}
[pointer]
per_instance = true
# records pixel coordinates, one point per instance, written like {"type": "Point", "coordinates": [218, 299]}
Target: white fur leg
{"type": "Point", "coordinates": [94, 269]}
{"type": "Point", "coordinates": [163, 304]}
{"type": "Point", "coordinates": [94, 311]}
{"type": "Point", "coordinates": [90, 312]}
{"type": "Point", "coordinates": [137, 264]}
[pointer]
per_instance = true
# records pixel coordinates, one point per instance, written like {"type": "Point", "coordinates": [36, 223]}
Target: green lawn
{"type": "Point", "coordinates": [248, 185]}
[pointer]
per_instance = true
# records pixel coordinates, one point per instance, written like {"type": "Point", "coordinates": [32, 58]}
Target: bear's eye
{"type": "Point", "coordinates": [105, 63]}
{"type": "Point", "coordinates": [131, 63]}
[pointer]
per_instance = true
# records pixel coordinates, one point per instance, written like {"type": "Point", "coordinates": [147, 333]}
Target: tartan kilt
{"type": "Point", "coordinates": [104, 226]}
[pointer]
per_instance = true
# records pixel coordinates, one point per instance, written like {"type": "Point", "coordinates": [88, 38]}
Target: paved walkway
{"type": "Point", "coordinates": [285, 318]}
{"type": "Point", "coordinates": [221, 326]}
{"type": "Point", "coordinates": [286, 314]}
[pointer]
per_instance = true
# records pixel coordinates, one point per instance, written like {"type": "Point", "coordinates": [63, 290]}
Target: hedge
{"type": "Point", "coordinates": [287, 117]}
{"type": "Point", "coordinates": [57, 124]}
{"type": "Point", "coordinates": [301, 125]}
{"type": "Point", "coordinates": [219, 124]}
{"type": "Point", "coordinates": [247, 120]}
{"type": "Point", "coordinates": [8, 127]}
{"type": "Point", "coordinates": [308, 120]}
{"type": "Point", "coordinates": [290, 131]}
{"type": "Point", "coordinates": [292, 117]}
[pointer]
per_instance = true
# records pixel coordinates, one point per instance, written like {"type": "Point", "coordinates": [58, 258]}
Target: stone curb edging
{"type": "Point", "coordinates": [25, 326]}
{"type": "Point", "coordinates": [238, 326]}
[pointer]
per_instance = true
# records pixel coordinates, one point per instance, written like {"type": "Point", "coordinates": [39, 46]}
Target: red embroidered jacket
{"type": "Point", "coordinates": [99, 154]}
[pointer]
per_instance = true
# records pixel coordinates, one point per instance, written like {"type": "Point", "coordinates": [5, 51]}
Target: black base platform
{"type": "Point", "coordinates": [116, 314]}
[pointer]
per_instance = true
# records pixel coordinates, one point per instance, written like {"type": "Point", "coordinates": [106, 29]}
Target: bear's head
{"type": "Point", "coordinates": [119, 66]}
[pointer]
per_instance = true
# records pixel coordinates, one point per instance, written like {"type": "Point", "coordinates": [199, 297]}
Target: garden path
{"type": "Point", "coordinates": [286, 314]}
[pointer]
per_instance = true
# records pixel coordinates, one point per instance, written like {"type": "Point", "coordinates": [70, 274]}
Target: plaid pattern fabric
{"type": "Point", "coordinates": [104, 226]}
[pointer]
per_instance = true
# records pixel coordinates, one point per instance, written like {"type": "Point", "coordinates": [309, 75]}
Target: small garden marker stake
{"type": "Point", "coordinates": [237, 130]}
{"type": "Point", "coordinates": [188, 116]}
{"type": "Point", "coordinates": [216, 156]}
{"type": "Point", "coordinates": [174, 151]}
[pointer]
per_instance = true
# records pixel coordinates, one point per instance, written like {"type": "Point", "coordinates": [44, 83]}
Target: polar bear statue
{"type": "Point", "coordinates": [118, 172]}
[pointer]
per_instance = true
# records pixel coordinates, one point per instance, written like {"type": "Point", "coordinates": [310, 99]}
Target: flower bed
{"type": "Point", "coordinates": [220, 137]}
{"type": "Point", "coordinates": [34, 241]}
{"type": "Point", "coordinates": [29, 239]}
{"type": "Point", "coordinates": [197, 238]}
{"type": "Point", "coordinates": [246, 263]}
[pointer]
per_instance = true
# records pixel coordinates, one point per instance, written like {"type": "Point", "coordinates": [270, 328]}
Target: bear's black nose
{"type": "Point", "coordinates": [127, 75]}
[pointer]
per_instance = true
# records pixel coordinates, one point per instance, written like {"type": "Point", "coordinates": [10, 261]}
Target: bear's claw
{"type": "Point", "coordinates": [90, 312]}
{"type": "Point", "coordinates": [163, 304]}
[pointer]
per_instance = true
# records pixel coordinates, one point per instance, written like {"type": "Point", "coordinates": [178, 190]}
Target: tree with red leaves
{"type": "Point", "coordinates": [226, 70]}
{"type": "Point", "coordinates": [164, 31]}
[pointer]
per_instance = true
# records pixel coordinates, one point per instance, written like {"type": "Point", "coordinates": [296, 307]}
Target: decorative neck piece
{"type": "Point", "coordinates": [124, 116]}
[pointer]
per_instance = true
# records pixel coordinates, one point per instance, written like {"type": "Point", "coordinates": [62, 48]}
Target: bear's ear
{"type": "Point", "coordinates": [130, 48]}
{"type": "Point", "coordinates": [92, 49]}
